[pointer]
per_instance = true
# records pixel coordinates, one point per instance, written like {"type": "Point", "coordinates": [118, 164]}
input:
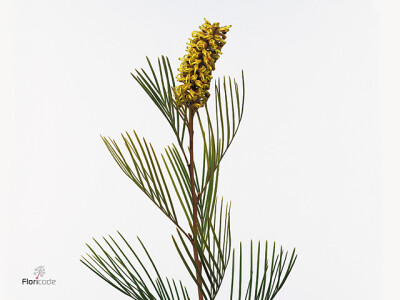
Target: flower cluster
{"type": "Point", "coordinates": [195, 70]}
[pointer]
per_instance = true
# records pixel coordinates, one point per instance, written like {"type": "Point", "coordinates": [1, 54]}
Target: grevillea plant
{"type": "Point", "coordinates": [172, 180]}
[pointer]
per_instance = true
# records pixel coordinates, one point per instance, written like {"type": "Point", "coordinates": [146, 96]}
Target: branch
{"type": "Point", "coordinates": [219, 140]}
{"type": "Point", "coordinates": [124, 274]}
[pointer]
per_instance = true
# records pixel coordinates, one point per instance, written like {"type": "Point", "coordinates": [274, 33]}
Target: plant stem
{"type": "Point", "coordinates": [195, 203]}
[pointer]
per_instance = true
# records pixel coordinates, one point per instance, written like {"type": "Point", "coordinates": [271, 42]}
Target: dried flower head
{"type": "Point", "coordinates": [197, 65]}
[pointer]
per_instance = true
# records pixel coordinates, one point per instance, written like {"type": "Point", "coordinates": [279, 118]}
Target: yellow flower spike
{"type": "Point", "coordinates": [203, 50]}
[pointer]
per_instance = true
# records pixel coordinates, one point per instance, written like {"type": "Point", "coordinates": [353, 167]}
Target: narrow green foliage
{"type": "Point", "coordinates": [113, 266]}
{"type": "Point", "coordinates": [266, 275]}
{"type": "Point", "coordinates": [159, 89]}
{"type": "Point", "coordinates": [145, 171]}
{"type": "Point", "coordinates": [178, 187]}
{"type": "Point", "coordinates": [218, 133]}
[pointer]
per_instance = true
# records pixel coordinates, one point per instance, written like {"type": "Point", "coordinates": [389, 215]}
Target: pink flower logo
{"type": "Point", "coordinates": [39, 271]}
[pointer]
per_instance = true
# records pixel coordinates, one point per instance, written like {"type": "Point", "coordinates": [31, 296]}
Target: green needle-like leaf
{"type": "Point", "coordinates": [272, 276]}
{"type": "Point", "coordinates": [121, 273]}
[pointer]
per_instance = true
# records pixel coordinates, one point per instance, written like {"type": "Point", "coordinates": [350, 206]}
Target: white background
{"type": "Point", "coordinates": [314, 165]}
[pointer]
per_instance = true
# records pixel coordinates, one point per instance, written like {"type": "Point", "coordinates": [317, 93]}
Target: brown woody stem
{"type": "Point", "coordinates": [195, 203]}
